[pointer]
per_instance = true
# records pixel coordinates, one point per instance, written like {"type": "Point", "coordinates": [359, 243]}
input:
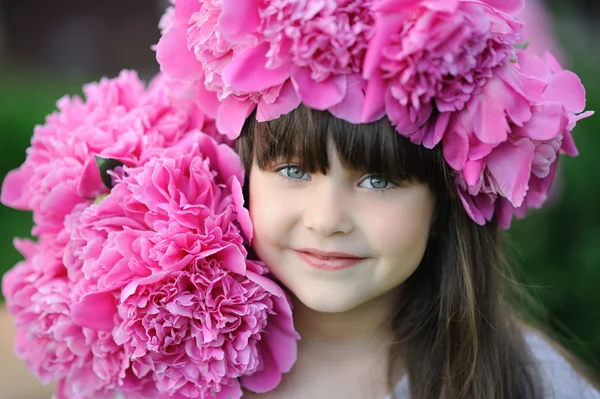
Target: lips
{"type": "Point", "coordinates": [323, 260]}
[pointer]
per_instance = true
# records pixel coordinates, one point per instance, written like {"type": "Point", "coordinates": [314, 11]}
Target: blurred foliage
{"type": "Point", "coordinates": [557, 248]}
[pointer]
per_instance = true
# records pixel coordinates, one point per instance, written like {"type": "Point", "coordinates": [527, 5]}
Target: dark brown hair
{"type": "Point", "coordinates": [455, 335]}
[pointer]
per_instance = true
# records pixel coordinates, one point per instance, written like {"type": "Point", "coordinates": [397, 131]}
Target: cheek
{"type": "Point", "coordinates": [401, 229]}
{"type": "Point", "coordinates": [269, 212]}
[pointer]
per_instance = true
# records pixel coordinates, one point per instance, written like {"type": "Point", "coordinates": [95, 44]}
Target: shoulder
{"type": "Point", "coordinates": [560, 380]}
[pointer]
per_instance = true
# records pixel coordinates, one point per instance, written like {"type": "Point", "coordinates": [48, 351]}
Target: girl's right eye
{"type": "Point", "coordinates": [292, 172]}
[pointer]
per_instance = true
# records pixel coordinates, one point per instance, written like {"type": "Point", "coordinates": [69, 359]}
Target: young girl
{"type": "Point", "coordinates": [395, 288]}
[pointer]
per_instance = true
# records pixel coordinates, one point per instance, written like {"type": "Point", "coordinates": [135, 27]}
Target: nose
{"type": "Point", "coordinates": [327, 211]}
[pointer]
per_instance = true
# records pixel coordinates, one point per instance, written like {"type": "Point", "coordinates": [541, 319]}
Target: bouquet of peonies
{"type": "Point", "coordinates": [139, 281]}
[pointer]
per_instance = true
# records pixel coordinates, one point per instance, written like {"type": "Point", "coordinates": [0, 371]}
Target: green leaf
{"type": "Point", "coordinates": [104, 165]}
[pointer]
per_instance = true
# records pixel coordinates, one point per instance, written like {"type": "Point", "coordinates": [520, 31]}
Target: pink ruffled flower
{"type": "Point", "coordinates": [507, 164]}
{"type": "Point", "coordinates": [433, 55]}
{"type": "Point", "coordinates": [119, 119]}
{"type": "Point", "coordinates": [329, 37]}
{"type": "Point", "coordinates": [270, 55]}
{"type": "Point", "coordinates": [165, 270]}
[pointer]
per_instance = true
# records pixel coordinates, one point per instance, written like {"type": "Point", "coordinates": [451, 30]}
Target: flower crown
{"type": "Point", "coordinates": [444, 72]}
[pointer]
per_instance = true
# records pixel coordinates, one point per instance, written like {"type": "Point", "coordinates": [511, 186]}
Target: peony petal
{"type": "Point", "coordinates": [547, 122]}
{"type": "Point", "coordinates": [401, 118]}
{"type": "Point", "coordinates": [485, 204]}
{"type": "Point", "coordinates": [185, 9]}
{"type": "Point", "coordinates": [95, 311]}
{"type": "Point", "coordinates": [287, 101]}
{"type": "Point", "coordinates": [350, 109]}
{"type": "Point", "coordinates": [90, 182]}
{"type": "Point", "coordinates": [374, 105]}
{"type": "Point", "coordinates": [553, 63]}
{"type": "Point", "coordinates": [385, 26]}
{"type": "Point", "coordinates": [436, 132]}
{"type": "Point", "coordinates": [232, 391]}
{"type": "Point", "coordinates": [232, 116]}
{"type": "Point", "coordinates": [455, 145]}
{"type": "Point", "coordinates": [13, 187]}
{"type": "Point", "coordinates": [472, 172]}
{"type": "Point", "coordinates": [489, 120]}
{"type": "Point", "coordinates": [206, 100]}
{"type": "Point", "coordinates": [395, 6]}
{"type": "Point", "coordinates": [279, 353]}
{"type": "Point", "coordinates": [471, 208]}
{"type": "Point", "coordinates": [175, 59]}
{"type": "Point", "coordinates": [319, 95]}
{"type": "Point", "coordinates": [565, 87]}
{"type": "Point", "coordinates": [510, 167]}
{"type": "Point", "coordinates": [243, 214]}
{"type": "Point", "coordinates": [504, 213]}
{"type": "Point", "coordinates": [506, 6]}
{"type": "Point", "coordinates": [234, 260]}
{"type": "Point", "coordinates": [229, 163]}
{"type": "Point", "coordinates": [532, 65]}
{"type": "Point", "coordinates": [248, 72]}
{"type": "Point", "coordinates": [568, 146]}
{"type": "Point", "coordinates": [238, 19]}
{"type": "Point", "coordinates": [60, 201]}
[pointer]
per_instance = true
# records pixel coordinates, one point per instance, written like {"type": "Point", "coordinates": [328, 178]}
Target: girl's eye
{"type": "Point", "coordinates": [292, 172]}
{"type": "Point", "coordinates": [376, 183]}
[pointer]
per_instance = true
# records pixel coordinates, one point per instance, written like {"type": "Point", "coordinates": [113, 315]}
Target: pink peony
{"type": "Point", "coordinates": [529, 119]}
{"type": "Point", "coordinates": [434, 55]}
{"type": "Point", "coordinates": [119, 119]}
{"type": "Point", "coordinates": [166, 216]}
{"type": "Point", "coordinates": [328, 37]}
{"type": "Point", "coordinates": [165, 269]}
{"type": "Point", "coordinates": [270, 55]}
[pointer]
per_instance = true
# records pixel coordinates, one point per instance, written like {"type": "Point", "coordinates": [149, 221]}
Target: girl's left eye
{"type": "Point", "coordinates": [376, 183]}
{"type": "Point", "coordinates": [292, 172]}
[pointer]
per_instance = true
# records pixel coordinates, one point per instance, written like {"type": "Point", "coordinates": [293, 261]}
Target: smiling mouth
{"type": "Point", "coordinates": [328, 260]}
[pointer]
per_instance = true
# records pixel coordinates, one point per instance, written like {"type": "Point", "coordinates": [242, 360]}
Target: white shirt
{"type": "Point", "coordinates": [560, 380]}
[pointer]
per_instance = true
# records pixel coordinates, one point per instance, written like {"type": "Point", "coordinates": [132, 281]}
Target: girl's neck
{"type": "Point", "coordinates": [366, 324]}
{"type": "Point", "coordinates": [339, 354]}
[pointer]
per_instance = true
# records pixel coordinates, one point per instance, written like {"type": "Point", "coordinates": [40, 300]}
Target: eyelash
{"type": "Point", "coordinates": [283, 167]}
{"type": "Point", "coordinates": [279, 170]}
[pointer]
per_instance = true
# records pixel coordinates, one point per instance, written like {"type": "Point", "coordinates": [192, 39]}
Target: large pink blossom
{"type": "Point", "coordinates": [433, 55]}
{"type": "Point", "coordinates": [270, 55]}
{"type": "Point", "coordinates": [329, 37]}
{"type": "Point", "coordinates": [508, 163]}
{"type": "Point", "coordinates": [165, 269]}
{"type": "Point", "coordinates": [119, 119]}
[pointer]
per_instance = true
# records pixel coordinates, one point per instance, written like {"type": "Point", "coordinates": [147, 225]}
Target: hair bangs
{"type": "Point", "coordinates": [303, 134]}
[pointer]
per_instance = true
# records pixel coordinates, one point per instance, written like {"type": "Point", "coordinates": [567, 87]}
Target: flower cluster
{"type": "Point", "coordinates": [119, 120]}
{"type": "Point", "coordinates": [139, 281]}
{"type": "Point", "coordinates": [445, 72]}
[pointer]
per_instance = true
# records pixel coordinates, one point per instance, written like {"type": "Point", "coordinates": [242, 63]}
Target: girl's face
{"type": "Point", "coordinates": [340, 239]}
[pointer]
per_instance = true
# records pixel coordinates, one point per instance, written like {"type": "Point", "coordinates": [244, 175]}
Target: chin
{"type": "Point", "coordinates": [328, 302]}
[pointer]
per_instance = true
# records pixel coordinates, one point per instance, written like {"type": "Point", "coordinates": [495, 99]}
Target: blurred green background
{"type": "Point", "coordinates": [557, 249]}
